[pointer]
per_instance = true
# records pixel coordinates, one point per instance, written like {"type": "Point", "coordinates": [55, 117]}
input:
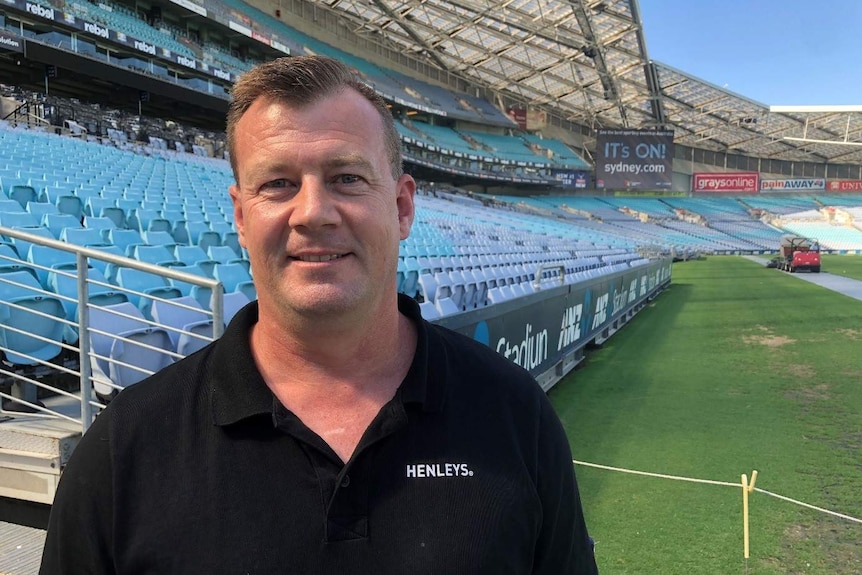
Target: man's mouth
{"type": "Point", "coordinates": [319, 258]}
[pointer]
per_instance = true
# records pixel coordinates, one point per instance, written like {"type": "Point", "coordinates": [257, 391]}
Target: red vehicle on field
{"type": "Point", "coordinates": [799, 254]}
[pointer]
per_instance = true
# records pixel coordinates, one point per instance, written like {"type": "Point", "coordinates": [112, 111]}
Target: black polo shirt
{"type": "Point", "coordinates": [200, 469]}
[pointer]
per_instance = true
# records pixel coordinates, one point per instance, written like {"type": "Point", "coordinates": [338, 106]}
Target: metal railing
{"type": "Point", "coordinates": [77, 357]}
{"type": "Point", "coordinates": [539, 278]}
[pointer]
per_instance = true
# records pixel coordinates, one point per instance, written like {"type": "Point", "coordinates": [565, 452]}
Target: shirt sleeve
{"type": "Point", "coordinates": [564, 546]}
{"type": "Point", "coordinates": [79, 538]}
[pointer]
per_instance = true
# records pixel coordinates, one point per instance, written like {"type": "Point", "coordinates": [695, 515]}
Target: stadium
{"type": "Point", "coordinates": [569, 186]}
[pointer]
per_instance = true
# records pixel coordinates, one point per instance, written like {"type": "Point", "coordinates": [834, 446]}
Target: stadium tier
{"type": "Point", "coordinates": [119, 253]}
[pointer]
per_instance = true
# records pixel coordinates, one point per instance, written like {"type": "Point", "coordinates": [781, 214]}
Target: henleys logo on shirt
{"type": "Point", "coordinates": [426, 470]}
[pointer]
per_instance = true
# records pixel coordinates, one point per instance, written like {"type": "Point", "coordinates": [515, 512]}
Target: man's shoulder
{"type": "Point", "coordinates": [470, 359]}
{"type": "Point", "coordinates": [468, 346]}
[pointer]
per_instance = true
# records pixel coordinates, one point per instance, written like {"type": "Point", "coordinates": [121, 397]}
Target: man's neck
{"type": "Point", "coordinates": [336, 381]}
{"type": "Point", "coordinates": [315, 352]}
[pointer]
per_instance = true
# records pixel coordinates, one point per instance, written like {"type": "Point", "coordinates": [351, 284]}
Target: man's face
{"type": "Point", "coordinates": [316, 206]}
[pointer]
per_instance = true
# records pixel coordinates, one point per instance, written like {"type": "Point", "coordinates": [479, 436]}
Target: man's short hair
{"type": "Point", "coordinates": [302, 81]}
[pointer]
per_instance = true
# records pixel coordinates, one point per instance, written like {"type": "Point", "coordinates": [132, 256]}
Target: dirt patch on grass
{"type": "Point", "coordinates": [768, 340]}
{"type": "Point", "coordinates": [762, 335]}
{"type": "Point", "coordinates": [850, 333]}
{"type": "Point", "coordinates": [810, 394]}
{"type": "Point", "coordinates": [852, 441]}
{"type": "Point", "coordinates": [800, 370]}
{"type": "Point", "coordinates": [826, 546]}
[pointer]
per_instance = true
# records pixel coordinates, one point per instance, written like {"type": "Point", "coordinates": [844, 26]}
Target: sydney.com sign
{"type": "Point", "coordinates": [634, 159]}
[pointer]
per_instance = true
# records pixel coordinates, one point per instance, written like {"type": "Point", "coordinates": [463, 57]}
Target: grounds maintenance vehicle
{"type": "Point", "coordinates": [799, 254]}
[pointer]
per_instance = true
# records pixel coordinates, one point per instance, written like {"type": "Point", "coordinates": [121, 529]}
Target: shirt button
{"type": "Point", "coordinates": [345, 481]}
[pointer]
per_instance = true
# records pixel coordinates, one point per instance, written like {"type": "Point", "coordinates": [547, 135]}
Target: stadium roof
{"type": "Point", "coordinates": [587, 61]}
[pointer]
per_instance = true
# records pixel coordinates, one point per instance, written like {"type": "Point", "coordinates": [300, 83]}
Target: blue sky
{"type": "Point", "coordinates": [777, 52]}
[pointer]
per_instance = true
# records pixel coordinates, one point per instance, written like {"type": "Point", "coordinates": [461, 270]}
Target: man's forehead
{"type": "Point", "coordinates": [278, 101]}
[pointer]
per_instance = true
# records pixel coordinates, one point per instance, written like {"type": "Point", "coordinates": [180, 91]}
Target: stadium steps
{"type": "Point", "coordinates": [33, 450]}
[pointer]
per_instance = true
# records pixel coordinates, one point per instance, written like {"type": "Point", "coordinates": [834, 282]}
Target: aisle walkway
{"type": "Point", "coordinates": [847, 286]}
{"type": "Point", "coordinates": [20, 549]}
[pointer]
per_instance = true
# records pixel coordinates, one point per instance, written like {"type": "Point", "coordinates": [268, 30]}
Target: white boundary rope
{"type": "Point", "coordinates": [659, 475]}
{"type": "Point", "coordinates": [722, 483]}
{"type": "Point", "coordinates": [789, 500]}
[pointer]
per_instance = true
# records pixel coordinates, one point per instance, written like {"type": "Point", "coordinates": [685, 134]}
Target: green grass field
{"type": "Point", "coordinates": [735, 367]}
{"type": "Point", "coordinates": [847, 266]}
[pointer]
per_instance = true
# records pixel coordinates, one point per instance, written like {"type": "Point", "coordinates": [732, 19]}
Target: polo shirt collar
{"type": "Point", "coordinates": [239, 392]}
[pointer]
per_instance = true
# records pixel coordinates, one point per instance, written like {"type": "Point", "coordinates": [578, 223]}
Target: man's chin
{"type": "Point", "coordinates": [325, 303]}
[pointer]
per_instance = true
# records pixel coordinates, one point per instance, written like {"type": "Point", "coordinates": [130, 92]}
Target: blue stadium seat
{"type": "Point", "coordinates": [125, 239]}
{"type": "Point", "coordinates": [102, 265]}
{"type": "Point", "coordinates": [233, 302]}
{"type": "Point", "coordinates": [57, 222]}
{"type": "Point", "coordinates": [23, 194]}
{"type": "Point", "coordinates": [180, 233]}
{"type": "Point", "coordinates": [82, 236]}
{"type": "Point", "coordinates": [23, 246]}
{"type": "Point", "coordinates": [44, 259]}
{"type": "Point", "coordinates": [7, 205]}
{"type": "Point", "coordinates": [159, 255]}
{"type": "Point", "coordinates": [39, 209]}
{"type": "Point", "coordinates": [223, 255]}
{"type": "Point", "coordinates": [104, 225]}
{"type": "Point", "coordinates": [27, 315]}
{"type": "Point", "coordinates": [159, 238]}
{"type": "Point", "coordinates": [234, 277]}
{"type": "Point", "coordinates": [125, 349]}
{"type": "Point", "coordinates": [194, 255]}
{"type": "Point", "coordinates": [143, 287]}
{"type": "Point", "coordinates": [94, 205]}
{"type": "Point", "coordinates": [202, 294]}
{"type": "Point", "coordinates": [208, 238]}
{"type": "Point", "coordinates": [19, 219]}
{"type": "Point", "coordinates": [410, 285]}
{"type": "Point", "coordinates": [115, 214]}
{"type": "Point", "coordinates": [70, 204]}
{"type": "Point", "coordinates": [10, 261]}
{"type": "Point", "coordinates": [188, 325]}
{"type": "Point", "coordinates": [64, 282]}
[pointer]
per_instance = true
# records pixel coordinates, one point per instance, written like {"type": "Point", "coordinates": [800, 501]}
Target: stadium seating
{"type": "Point", "coordinates": [189, 327]}
{"type": "Point", "coordinates": [141, 288]}
{"type": "Point", "coordinates": [31, 326]}
{"type": "Point", "coordinates": [64, 283]}
{"type": "Point", "coordinates": [235, 277]}
{"type": "Point", "coordinates": [124, 348]}
{"type": "Point", "coordinates": [233, 302]}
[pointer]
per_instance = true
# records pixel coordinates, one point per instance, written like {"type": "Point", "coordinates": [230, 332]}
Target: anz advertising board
{"type": "Point", "coordinates": [546, 332]}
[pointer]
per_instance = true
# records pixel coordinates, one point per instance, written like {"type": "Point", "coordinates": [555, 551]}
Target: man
{"type": "Point", "coordinates": [330, 430]}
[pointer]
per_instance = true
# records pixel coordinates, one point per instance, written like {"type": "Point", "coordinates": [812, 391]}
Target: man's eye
{"type": "Point", "coordinates": [348, 179]}
{"type": "Point", "coordinates": [280, 183]}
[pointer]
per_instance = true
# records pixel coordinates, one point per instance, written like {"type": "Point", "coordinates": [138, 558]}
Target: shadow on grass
{"type": "Point", "coordinates": [605, 388]}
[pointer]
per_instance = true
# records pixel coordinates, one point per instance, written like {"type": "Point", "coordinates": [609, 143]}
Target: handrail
{"type": "Point", "coordinates": [537, 279]}
{"type": "Point", "coordinates": [83, 256]}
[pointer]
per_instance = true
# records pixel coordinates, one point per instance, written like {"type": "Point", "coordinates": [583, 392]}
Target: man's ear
{"type": "Point", "coordinates": [406, 193]}
{"type": "Point", "coordinates": [236, 198]}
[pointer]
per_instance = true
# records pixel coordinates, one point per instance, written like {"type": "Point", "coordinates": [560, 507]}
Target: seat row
{"type": "Point", "coordinates": [129, 337]}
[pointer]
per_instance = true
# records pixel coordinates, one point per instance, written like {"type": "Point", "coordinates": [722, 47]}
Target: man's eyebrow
{"type": "Point", "coordinates": [263, 171]}
{"type": "Point", "coordinates": [348, 161]}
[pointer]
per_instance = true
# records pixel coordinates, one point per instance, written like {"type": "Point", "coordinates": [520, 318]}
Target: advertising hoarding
{"type": "Point", "coordinates": [844, 186]}
{"type": "Point", "coordinates": [793, 185]}
{"type": "Point", "coordinates": [573, 179]}
{"type": "Point", "coordinates": [726, 182]}
{"type": "Point", "coordinates": [634, 159]}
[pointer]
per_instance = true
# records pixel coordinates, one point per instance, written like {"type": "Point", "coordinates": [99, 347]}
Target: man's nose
{"type": "Point", "coordinates": [314, 205]}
